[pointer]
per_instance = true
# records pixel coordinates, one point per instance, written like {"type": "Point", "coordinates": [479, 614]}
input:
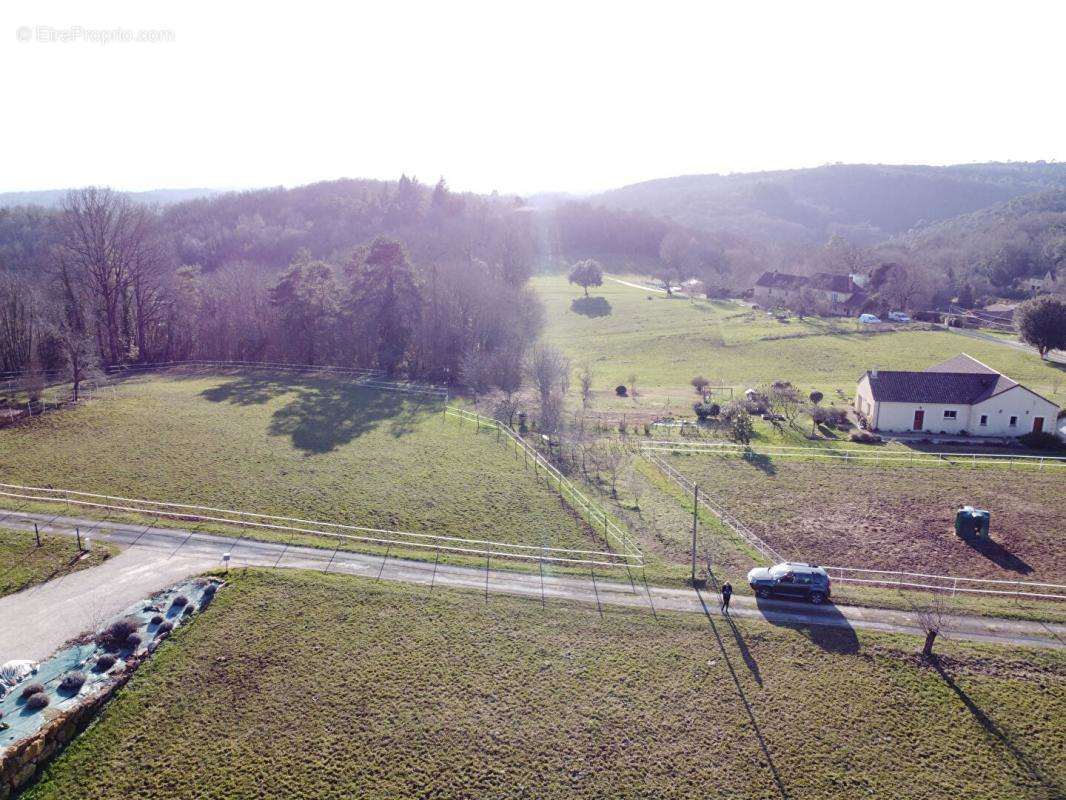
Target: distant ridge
{"type": "Point", "coordinates": [50, 198]}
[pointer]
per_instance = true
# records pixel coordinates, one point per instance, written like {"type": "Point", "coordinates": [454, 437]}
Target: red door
{"type": "Point", "coordinates": [919, 420]}
{"type": "Point", "coordinates": [1038, 424]}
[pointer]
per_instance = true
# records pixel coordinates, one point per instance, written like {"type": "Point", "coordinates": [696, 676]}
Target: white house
{"type": "Point", "coordinates": [962, 395]}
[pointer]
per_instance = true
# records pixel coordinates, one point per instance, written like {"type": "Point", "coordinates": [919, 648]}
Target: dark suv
{"type": "Point", "coordinates": [792, 580]}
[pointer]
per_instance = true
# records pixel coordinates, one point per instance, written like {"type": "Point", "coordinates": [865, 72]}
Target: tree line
{"type": "Point", "coordinates": [422, 282]}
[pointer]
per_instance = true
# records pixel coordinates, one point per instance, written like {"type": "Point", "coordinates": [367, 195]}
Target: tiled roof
{"type": "Point", "coordinates": [829, 282]}
{"type": "Point", "coordinates": [952, 388]}
{"type": "Point", "coordinates": [781, 280]}
{"type": "Point", "coordinates": [962, 363]}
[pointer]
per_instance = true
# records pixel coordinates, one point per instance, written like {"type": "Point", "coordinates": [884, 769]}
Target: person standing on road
{"type": "Point", "coordinates": [727, 592]}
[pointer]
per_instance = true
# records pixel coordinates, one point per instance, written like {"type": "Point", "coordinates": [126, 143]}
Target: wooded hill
{"type": "Point", "coordinates": [864, 203]}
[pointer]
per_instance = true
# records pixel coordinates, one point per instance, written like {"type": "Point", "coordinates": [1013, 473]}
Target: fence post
{"type": "Point", "coordinates": [77, 531]}
{"type": "Point", "coordinates": [36, 534]}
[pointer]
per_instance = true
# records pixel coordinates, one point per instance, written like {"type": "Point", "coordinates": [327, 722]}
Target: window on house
{"type": "Point", "coordinates": [984, 419]}
{"type": "Point", "coordinates": [1014, 422]}
{"type": "Point", "coordinates": [950, 414]}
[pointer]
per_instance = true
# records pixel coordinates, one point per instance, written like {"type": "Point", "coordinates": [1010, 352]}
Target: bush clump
{"type": "Point", "coordinates": [104, 663]}
{"type": "Point", "coordinates": [1040, 441]}
{"type": "Point", "coordinates": [37, 701]}
{"type": "Point", "coordinates": [164, 629]}
{"type": "Point", "coordinates": [115, 635]}
{"type": "Point", "coordinates": [865, 437]}
{"type": "Point", "coordinates": [72, 682]}
{"type": "Point", "coordinates": [133, 641]}
{"type": "Point", "coordinates": [157, 619]}
{"type": "Point", "coordinates": [179, 601]}
{"type": "Point", "coordinates": [31, 689]}
{"type": "Point", "coordinates": [621, 390]}
{"type": "Point", "coordinates": [706, 411]}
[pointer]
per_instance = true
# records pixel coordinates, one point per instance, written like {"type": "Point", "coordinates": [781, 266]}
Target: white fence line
{"type": "Point", "coordinates": [596, 517]}
{"type": "Point", "coordinates": [268, 522]}
{"type": "Point", "coordinates": [947, 583]}
{"type": "Point", "coordinates": [847, 456]}
{"type": "Point", "coordinates": [727, 519]}
{"type": "Point", "coordinates": [893, 578]}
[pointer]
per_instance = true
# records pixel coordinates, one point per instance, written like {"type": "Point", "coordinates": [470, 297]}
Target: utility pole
{"type": "Point", "coordinates": [695, 520]}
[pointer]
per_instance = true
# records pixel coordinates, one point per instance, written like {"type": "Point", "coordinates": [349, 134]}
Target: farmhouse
{"type": "Point", "coordinates": [960, 396]}
{"type": "Point", "coordinates": [837, 294]}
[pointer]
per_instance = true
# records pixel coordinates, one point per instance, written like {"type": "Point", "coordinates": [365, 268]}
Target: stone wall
{"type": "Point", "coordinates": [21, 763]}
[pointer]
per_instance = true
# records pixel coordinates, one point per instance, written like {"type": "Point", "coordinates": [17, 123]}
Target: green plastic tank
{"type": "Point", "coordinates": [972, 522]}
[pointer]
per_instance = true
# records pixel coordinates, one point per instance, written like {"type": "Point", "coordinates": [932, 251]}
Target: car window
{"type": "Point", "coordinates": [788, 577]}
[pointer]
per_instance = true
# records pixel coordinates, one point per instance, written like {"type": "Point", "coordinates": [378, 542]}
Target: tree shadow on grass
{"type": "Point", "coordinates": [591, 306]}
{"type": "Point", "coordinates": [323, 415]}
{"type": "Point", "coordinates": [998, 736]}
{"type": "Point", "coordinates": [761, 462]}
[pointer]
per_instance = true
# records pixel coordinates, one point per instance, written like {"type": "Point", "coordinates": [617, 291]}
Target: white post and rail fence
{"type": "Point", "coordinates": [897, 579]}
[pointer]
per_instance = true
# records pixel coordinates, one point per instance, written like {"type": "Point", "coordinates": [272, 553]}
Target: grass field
{"type": "Point", "coordinates": [665, 342]}
{"type": "Point", "coordinates": [893, 517]}
{"type": "Point", "coordinates": [23, 564]}
{"type": "Point", "coordinates": [320, 449]}
{"type": "Point", "coordinates": [307, 686]}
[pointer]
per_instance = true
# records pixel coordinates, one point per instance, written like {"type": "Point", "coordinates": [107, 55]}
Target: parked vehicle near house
{"type": "Point", "coordinates": [898, 316]}
{"type": "Point", "coordinates": [869, 319]}
{"type": "Point", "coordinates": [794, 580]}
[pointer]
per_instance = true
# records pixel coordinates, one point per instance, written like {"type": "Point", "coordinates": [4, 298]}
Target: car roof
{"type": "Point", "coordinates": [803, 566]}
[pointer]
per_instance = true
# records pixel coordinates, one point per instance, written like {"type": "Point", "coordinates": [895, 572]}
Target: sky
{"type": "Point", "coordinates": [516, 97]}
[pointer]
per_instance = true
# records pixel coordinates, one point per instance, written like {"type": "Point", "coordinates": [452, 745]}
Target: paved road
{"type": "Point", "coordinates": [636, 285]}
{"type": "Point", "coordinates": [35, 622]}
{"type": "Point", "coordinates": [1056, 356]}
{"type": "Point", "coordinates": [178, 553]}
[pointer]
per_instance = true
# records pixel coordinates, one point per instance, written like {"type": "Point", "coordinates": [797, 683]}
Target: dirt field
{"type": "Point", "coordinates": [894, 517]}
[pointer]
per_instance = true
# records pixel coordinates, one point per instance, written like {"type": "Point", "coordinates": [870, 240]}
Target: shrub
{"type": "Point", "coordinates": [210, 589]}
{"type": "Point", "coordinates": [865, 437]}
{"type": "Point", "coordinates": [621, 391]}
{"type": "Point", "coordinates": [37, 701]}
{"type": "Point", "coordinates": [157, 619]}
{"type": "Point", "coordinates": [164, 629]}
{"type": "Point", "coordinates": [31, 689]}
{"type": "Point", "coordinates": [72, 682]}
{"type": "Point", "coordinates": [742, 428]}
{"type": "Point", "coordinates": [706, 411]}
{"type": "Point", "coordinates": [104, 663]}
{"type": "Point", "coordinates": [179, 601]}
{"type": "Point", "coordinates": [1040, 441]}
{"type": "Point", "coordinates": [133, 641]}
{"type": "Point", "coordinates": [188, 611]}
{"type": "Point", "coordinates": [114, 636]}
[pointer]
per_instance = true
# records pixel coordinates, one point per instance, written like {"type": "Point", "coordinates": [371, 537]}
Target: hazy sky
{"type": "Point", "coordinates": [519, 97]}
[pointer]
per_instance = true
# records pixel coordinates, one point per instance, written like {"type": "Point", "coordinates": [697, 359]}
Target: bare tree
{"type": "Point", "coordinates": [632, 381]}
{"type": "Point", "coordinates": [931, 617]}
{"type": "Point", "coordinates": [585, 381]}
{"type": "Point", "coordinates": [105, 262]}
{"type": "Point", "coordinates": [549, 371]}
{"type": "Point", "coordinates": [700, 384]}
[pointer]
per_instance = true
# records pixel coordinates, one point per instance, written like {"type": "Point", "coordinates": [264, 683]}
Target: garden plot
{"type": "Point", "coordinates": [893, 518]}
{"type": "Point", "coordinates": [300, 447]}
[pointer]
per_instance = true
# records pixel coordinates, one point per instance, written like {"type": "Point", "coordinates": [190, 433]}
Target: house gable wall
{"type": "Point", "coordinates": [1017, 401]}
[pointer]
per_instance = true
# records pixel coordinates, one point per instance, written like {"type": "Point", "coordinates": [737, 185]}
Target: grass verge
{"type": "Point", "coordinates": [306, 686]}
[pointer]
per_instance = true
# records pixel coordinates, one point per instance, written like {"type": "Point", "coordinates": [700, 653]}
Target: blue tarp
{"type": "Point", "coordinates": [23, 722]}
